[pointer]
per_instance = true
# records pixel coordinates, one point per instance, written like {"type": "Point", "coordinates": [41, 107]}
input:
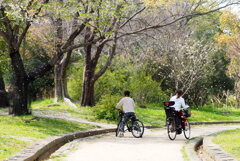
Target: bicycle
{"type": "Point", "coordinates": [172, 115]}
{"type": "Point", "coordinates": [136, 127]}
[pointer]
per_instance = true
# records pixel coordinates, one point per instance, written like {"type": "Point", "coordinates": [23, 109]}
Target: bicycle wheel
{"type": "Point", "coordinates": [137, 129]}
{"type": "Point", "coordinates": [171, 127]}
{"type": "Point", "coordinates": [118, 128]}
{"type": "Point", "coordinates": [187, 130]}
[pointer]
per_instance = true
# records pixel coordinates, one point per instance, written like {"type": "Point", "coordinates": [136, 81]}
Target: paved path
{"type": "Point", "coordinates": [62, 115]}
{"type": "Point", "coordinates": [65, 115]}
{"type": "Point", "coordinates": [154, 146]}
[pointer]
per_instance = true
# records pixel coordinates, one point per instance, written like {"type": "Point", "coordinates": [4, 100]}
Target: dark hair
{"type": "Point", "coordinates": [179, 92]}
{"type": "Point", "coordinates": [127, 93]}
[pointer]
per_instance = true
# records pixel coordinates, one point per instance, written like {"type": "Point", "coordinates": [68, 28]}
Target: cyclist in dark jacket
{"type": "Point", "coordinates": [128, 108]}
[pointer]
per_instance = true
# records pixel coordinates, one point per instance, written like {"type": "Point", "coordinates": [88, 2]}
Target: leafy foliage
{"type": "Point", "coordinates": [75, 79]}
{"type": "Point", "coordinates": [120, 77]}
{"type": "Point", "coordinates": [145, 89]}
{"type": "Point", "coordinates": [105, 109]}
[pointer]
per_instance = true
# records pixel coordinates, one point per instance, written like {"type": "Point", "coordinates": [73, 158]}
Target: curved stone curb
{"type": "Point", "coordinates": [191, 148]}
{"type": "Point", "coordinates": [152, 127]}
{"type": "Point", "coordinates": [214, 152]}
{"type": "Point", "coordinates": [214, 122]}
{"type": "Point", "coordinates": [192, 145]}
{"type": "Point", "coordinates": [211, 151]}
{"type": "Point", "coordinates": [45, 148]}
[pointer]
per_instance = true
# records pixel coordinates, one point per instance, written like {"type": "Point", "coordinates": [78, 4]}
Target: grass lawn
{"type": "Point", "coordinates": [229, 141]}
{"type": "Point", "coordinates": [81, 112]}
{"type": "Point", "coordinates": [15, 133]}
{"type": "Point", "coordinates": [153, 115]}
{"type": "Point", "coordinates": [156, 115]}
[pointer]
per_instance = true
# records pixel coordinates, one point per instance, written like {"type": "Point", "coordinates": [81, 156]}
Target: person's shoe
{"type": "Point", "coordinates": [179, 131]}
{"type": "Point", "coordinates": [167, 122]}
{"type": "Point", "coordinates": [121, 134]}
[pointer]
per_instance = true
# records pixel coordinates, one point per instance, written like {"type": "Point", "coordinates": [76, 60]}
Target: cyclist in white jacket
{"type": "Point", "coordinates": [179, 106]}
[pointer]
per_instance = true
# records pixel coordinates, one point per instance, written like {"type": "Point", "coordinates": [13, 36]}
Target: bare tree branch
{"type": "Point", "coordinates": [109, 60]}
{"type": "Point", "coordinates": [28, 22]}
{"type": "Point", "coordinates": [74, 35]}
{"type": "Point", "coordinates": [134, 15]}
{"type": "Point", "coordinates": [6, 23]}
{"type": "Point", "coordinates": [176, 20]}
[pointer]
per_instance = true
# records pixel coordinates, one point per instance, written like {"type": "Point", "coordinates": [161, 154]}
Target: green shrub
{"type": "Point", "coordinates": [75, 80]}
{"type": "Point", "coordinates": [119, 77]}
{"type": "Point", "coordinates": [105, 109]}
{"type": "Point", "coordinates": [145, 90]}
{"type": "Point", "coordinates": [115, 80]}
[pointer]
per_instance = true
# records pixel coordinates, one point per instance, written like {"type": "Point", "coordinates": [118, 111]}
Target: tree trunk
{"type": "Point", "coordinates": [10, 32]}
{"type": "Point", "coordinates": [20, 85]}
{"type": "Point", "coordinates": [4, 101]}
{"type": "Point", "coordinates": [88, 86]}
{"type": "Point", "coordinates": [60, 76]}
{"type": "Point", "coordinates": [58, 83]}
{"type": "Point", "coordinates": [237, 91]}
{"type": "Point", "coordinates": [59, 95]}
{"type": "Point", "coordinates": [66, 61]}
{"type": "Point", "coordinates": [90, 74]}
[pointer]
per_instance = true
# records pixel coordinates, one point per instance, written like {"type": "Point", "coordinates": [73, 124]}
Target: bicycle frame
{"type": "Point", "coordinates": [171, 118]}
{"type": "Point", "coordinates": [129, 122]}
{"type": "Point", "coordinates": [134, 126]}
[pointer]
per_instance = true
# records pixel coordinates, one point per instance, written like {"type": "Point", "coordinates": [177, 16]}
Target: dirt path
{"type": "Point", "coordinates": [154, 146]}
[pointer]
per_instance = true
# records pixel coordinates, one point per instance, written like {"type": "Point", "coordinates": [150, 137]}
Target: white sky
{"type": "Point", "coordinates": [235, 9]}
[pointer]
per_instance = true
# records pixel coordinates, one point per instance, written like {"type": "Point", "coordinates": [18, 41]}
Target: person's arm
{"type": "Point", "coordinates": [173, 98]}
{"type": "Point", "coordinates": [184, 105]}
{"type": "Point", "coordinates": [120, 103]}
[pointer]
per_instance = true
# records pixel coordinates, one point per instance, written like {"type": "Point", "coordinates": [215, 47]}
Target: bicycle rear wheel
{"type": "Point", "coordinates": [187, 130]}
{"type": "Point", "coordinates": [171, 127]}
{"type": "Point", "coordinates": [137, 129]}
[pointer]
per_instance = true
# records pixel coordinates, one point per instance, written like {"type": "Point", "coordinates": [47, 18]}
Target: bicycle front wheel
{"type": "Point", "coordinates": [187, 130]}
{"type": "Point", "coordinates": [171, 127]}
{"type": "Point", "coordinates": [137, 129]}
{"type": "Point", "coordinates": [118, 128]}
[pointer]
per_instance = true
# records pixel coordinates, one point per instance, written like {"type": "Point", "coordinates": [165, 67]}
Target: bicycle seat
{"type": "Point", "coordinates": [168, 103]}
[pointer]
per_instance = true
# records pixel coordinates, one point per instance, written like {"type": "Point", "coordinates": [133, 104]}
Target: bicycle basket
{"type": "Point", "coordinates": [170, 112]}
{"type": "Point", "coordinates": [187, 113]}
